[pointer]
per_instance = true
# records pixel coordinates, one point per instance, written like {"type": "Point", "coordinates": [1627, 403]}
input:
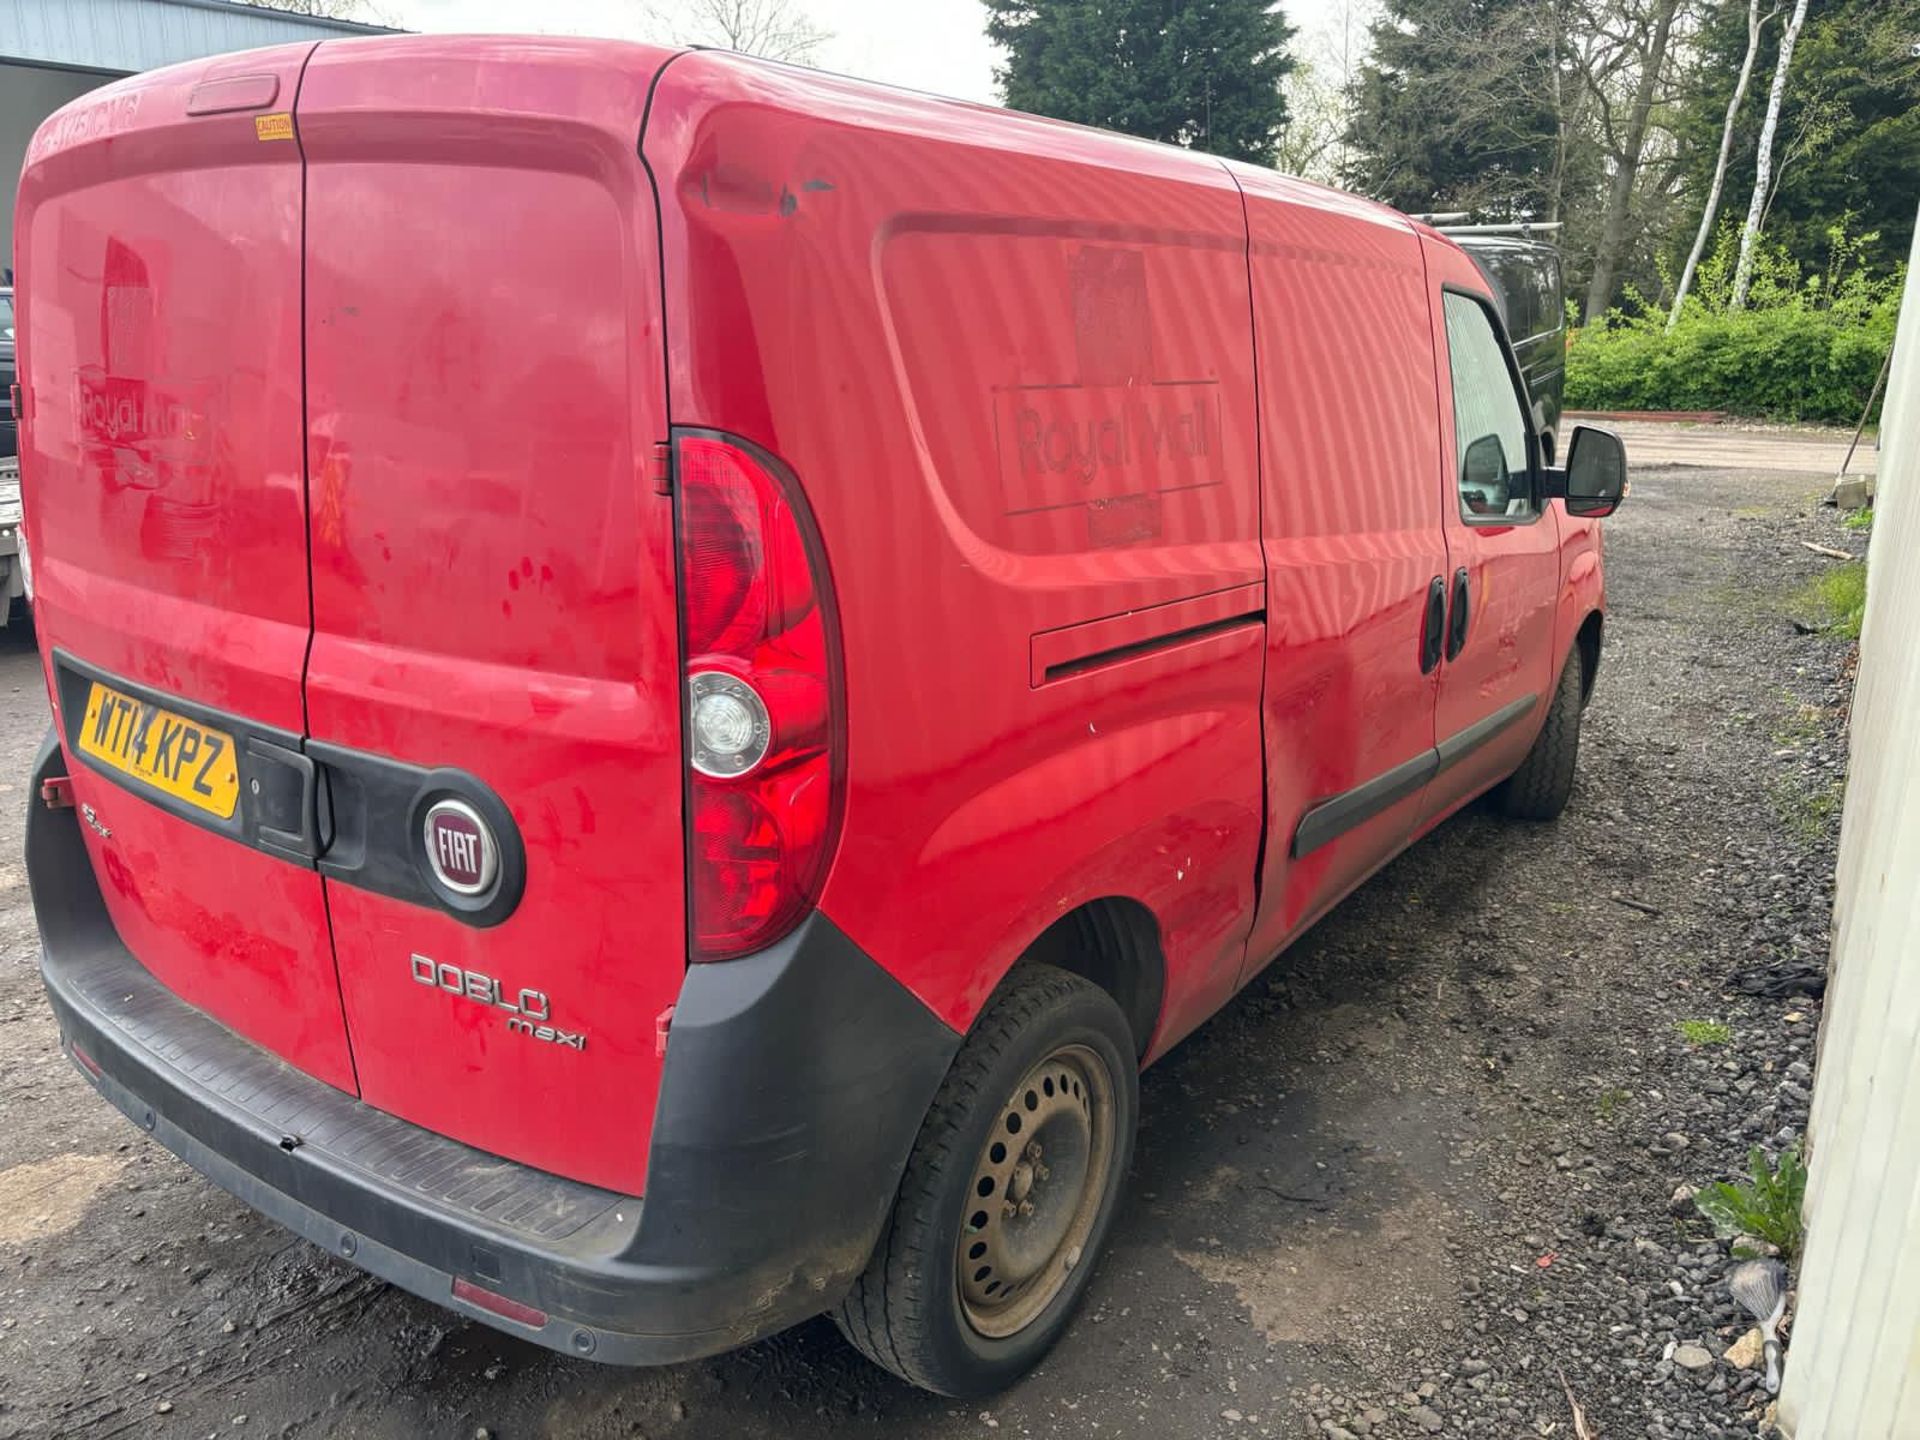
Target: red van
{"type": "Point", "coordinates": [669, 671]}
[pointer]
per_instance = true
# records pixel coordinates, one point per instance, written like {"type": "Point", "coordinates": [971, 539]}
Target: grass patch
{"type": "Point", "coordinates": [1765, 1206]}
{"type": "Point", "coordinates": [1858, 521]}
{"type": "Point", "coordinates": [1839, 596]}
{"type": "Point", "coordinates": [1807, 814]}
{"type": "Point", "coordinates": [1610, 1101]}
{"type": "Point", "coordinates": [1801, 726]}
{"type": "Point", "coordinates": [1704, 1032]}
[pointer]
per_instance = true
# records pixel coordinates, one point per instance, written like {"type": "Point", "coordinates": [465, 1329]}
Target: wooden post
{"type": "Point", "coordinates": [1861, 428]}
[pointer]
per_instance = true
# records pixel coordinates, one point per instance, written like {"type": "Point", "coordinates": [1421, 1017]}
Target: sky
{"type": "Point", "coordinates": [934, 45]}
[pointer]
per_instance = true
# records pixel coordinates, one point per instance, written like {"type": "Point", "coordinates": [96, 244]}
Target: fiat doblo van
{"type": "Point", "coordinates": [668, 672]}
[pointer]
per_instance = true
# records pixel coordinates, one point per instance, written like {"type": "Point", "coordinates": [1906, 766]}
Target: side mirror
{"type": "Point", "coordinates": [1485, 465]}
{"type": "Point", "coordinates": [1486, 485]}
{"type": "Point", "coordinates": [1594, 481]}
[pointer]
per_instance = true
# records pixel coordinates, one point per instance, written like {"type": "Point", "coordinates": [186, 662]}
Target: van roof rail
{"type": "Point", "coordinates": [1521, 227]}
{"type": "Point", "coordinates": [1442, 217]}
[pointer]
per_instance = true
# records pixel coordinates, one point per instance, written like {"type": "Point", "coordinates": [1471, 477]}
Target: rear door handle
{"type": "Point", "coordinates": [285, 801]}
{"type": "Point", "coordinates": [1433, 625]}
{"type": "Point", "coordinates": [1457, 620]}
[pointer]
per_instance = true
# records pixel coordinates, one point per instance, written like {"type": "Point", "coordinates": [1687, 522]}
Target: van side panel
{"type": "Point", "coordinates": [1349, 460]}
{"type": "Point", "coordinates": [159, 315]}
{"type": "Point", "coordinates": [1010, 363]}
{"type": "Point", "coordinates": [493, 570]}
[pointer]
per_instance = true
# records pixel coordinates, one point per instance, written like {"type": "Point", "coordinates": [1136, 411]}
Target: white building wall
{"type": "Point", "coordinates": [53, 50]}
{"type": "Point", "coordinates": [1853, 1368]}
{"type": "Point", "coordinates": [126, 36]}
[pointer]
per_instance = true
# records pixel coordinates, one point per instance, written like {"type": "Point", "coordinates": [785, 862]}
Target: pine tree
{"type": "Point", "coordinates": [1459, 108]}
{"type": "Point", "coordinates": [1201, 73]}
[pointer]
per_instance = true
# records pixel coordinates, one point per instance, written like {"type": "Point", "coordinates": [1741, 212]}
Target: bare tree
{"type": "Point", "coordinates": [1821, 120]}
{"type": "Point", "coordinates": [1319, 92]}
{"type": "Point", "coordinates": [777, 29]}
{"type": "Point", "coordinates": [1650, 42]}
{"type": "Point", "coordinates": [1316, 120]}
{"type": "Point", "coordinates": [1583, 61]}
{"type": "Point", "coordinates": [1763, 170]}
{"type": "Point", "coordinates": [1755, 23]}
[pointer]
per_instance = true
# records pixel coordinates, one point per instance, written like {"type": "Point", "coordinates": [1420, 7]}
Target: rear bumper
{"type": "Point", "coordinates": [795, 1082]}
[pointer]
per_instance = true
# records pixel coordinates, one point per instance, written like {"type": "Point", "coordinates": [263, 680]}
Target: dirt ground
{"type": "Point", "coordinates": [1414, 1176]}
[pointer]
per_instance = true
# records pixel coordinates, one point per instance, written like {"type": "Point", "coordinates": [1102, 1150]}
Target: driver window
{"type": "Point", "coordinates": [1489, 423]}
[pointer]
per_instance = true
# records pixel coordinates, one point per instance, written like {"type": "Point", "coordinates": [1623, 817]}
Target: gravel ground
{"type": "Point", "coordinates": [1418, 1179]}
{"type": "Point", "coordinates": [1748, 445]}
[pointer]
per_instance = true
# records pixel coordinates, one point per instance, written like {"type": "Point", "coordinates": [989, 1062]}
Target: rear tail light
{"type": "Point", "coordinates": [762, 707]}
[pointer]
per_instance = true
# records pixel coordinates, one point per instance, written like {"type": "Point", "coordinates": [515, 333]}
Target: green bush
{"type": "Point", "coordinates": [1802, 350]}
{"type": "Point", "coordinates": [1785, 364]}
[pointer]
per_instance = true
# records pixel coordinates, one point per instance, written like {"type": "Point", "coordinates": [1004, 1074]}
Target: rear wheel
{"type": "Point", "coordinates": [1540, 788]}
{"type": "Point", "coordinates": [1009, 1194]}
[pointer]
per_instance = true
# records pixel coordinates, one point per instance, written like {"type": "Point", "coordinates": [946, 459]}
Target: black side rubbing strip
{"type": "Point", "coordinates": [1082, 663]}
{"type": "Point", "coordinates": [1456, 748]}
{"type": "Point", "coordinates": [1331, 819]}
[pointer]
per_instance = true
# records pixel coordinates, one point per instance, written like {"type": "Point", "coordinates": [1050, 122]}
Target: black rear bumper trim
{"type": "Point", "coordinates": [795, 1082]}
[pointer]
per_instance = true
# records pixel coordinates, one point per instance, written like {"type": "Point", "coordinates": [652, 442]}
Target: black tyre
{"type": "Point", "coordinates": [1540, 788]}
{"type": "Point", "coordinates": [1009, 1194]}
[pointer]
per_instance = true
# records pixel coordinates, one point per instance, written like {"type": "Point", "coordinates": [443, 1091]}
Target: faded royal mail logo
{"type": "Point", "coordinates": [1074, 444]}
{"type": "Point", "coordinates": [132, 427]}
{"type": "Point", "coordinates": [124, 410]}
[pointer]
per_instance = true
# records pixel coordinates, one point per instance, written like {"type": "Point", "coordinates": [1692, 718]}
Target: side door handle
{"type": "Point", "coordinates": [1457, 620]}
{"type": "Point", "coordinates": [1433, 625]}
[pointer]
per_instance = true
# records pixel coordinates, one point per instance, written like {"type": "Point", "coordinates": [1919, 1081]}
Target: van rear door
{"type": "Point", "coordinates": [493, 584]}
{"type": "Point", "coordinates": [159, 295]}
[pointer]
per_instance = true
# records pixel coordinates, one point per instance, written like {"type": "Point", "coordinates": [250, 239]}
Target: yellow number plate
{"type": "Point", "coordinates": [175, 755]}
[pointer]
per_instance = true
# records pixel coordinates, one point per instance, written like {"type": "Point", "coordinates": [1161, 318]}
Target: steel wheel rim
{"type": "Point", "coordinates": [1036, 1192]}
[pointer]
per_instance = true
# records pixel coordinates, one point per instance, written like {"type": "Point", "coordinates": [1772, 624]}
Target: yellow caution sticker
{"type": "Point", "coordinates": [277, 126]}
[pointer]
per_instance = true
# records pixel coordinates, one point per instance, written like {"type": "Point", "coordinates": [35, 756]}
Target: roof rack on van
{"type": "Point", "coordinates": [1521, 228]}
